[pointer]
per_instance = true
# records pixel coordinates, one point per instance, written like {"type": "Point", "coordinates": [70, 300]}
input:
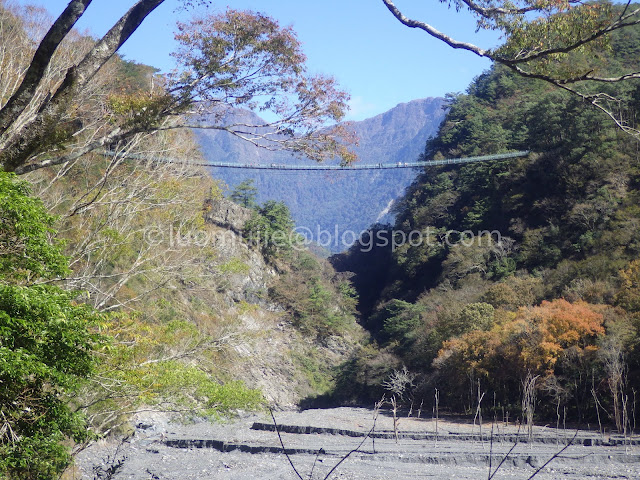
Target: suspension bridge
{"type": "Point", "coordinates": [343, 168]}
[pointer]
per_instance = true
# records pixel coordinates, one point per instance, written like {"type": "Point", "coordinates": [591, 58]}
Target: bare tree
{"type": "Point", "coordinates": [400, 383]}
{"type": "Point", "coordinates": [436, 409]}
{"type": "Point", "coordinates": [128, 220]}
{"type": "Point", "coordinates": [478, 414]}
{"type": "Point", "coordinates": [560, 395]}
{"type": "Point", "coordinates": [529, 401]}
{"type": "Point", "coordinates": [612, 355]}
{"type": "Point", "coordinates": [554, 41]}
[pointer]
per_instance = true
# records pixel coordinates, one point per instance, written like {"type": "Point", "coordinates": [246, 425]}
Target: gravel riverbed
{"type": "Point", "coordinates": [248, 447]}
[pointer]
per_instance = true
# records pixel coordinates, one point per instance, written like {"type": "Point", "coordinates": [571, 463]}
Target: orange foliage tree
{"type": "Point", "coordinates": [531, 340]}
{"type": "Point", "coordinates": [541, 334]}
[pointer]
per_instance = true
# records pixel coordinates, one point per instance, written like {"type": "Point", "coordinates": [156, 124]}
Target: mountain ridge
{"type": "Point", "coordinates": [341, 203]}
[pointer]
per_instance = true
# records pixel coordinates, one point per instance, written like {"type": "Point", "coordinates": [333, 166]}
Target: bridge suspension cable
{"type": "Point", "coordinates": [347, 168]}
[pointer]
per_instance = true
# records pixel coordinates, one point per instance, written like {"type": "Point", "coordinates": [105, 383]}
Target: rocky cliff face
{"type": "Point", "coordinates": [226, 214]}
{"type": "Point", "coordinates": [336, 202]}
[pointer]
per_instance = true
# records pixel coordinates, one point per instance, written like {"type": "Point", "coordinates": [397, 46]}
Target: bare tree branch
{"type": "Point", "coordinates": [524, 61]}
{"type": "Point", "coordinates": [620, 23]}
{"type": "Point", "coordinates": [105, 141]}
{"type": "Point", "coordinates": [434, 32]}
{"type": "Point", "coordinates": [41, 60]}
{"type": "Point", "coordinates": [21, 144]}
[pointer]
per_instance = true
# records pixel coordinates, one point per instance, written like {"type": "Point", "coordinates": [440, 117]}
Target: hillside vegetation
{"type": "Point", "coordinates": [527, 268]}
{"type": "Point", "coordinates": [130, 282]}
{"type": "Point", "coordinates": [130, 285]}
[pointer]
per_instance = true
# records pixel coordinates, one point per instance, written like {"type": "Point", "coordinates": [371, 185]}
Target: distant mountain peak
{"type": "Point", "coordinates": [342, 202]}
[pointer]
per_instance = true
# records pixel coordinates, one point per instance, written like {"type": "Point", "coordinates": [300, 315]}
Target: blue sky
{"type": "Point", "coordinates": [376, 59]}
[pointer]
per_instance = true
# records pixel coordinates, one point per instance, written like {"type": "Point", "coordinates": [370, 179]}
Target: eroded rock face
{"type": "Point", "coordinates": [226, 214]}
{"type": "Point", "coordinates": [263, 336]}
{"type": "Point", "coordinates": [244, 274]}
{"type": "Point", "coordinates": [242, 271]}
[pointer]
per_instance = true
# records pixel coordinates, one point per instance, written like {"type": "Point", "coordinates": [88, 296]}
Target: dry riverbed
{"type": "Point", "coordinates": [249, 448]}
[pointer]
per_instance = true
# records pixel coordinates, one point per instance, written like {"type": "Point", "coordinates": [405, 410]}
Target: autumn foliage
{"type": "Point", "coordinates": [542, 340]}
{"type": "Point", "coordinates": [533, 341]}
{"type": "Point", "coordinates": [542, 334]}
{"type": "Point", "coordinates": [244, 59]}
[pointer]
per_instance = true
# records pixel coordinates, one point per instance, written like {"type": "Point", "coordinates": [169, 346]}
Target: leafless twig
{"type": "Point", "coordinates": [284, 450]}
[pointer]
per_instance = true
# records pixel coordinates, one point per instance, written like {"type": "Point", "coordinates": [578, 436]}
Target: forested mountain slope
{"type": "Point", "coordinates": [352, 201]}
{"type": "Point", "coordinates": [552, 292]}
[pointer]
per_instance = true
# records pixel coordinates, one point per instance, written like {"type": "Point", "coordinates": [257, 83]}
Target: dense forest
{"type": "Point", "coordinates": [528, 269]}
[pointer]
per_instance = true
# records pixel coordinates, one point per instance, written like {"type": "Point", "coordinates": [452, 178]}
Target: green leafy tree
{"type": "Point", "coordinates": [401, 320]}
{"type": "Point", "coordinates": [321, 303]}
{"type": "Point", "coordinates": [245, 194]}
{"type": "Point", "coordinates": [271, 228]}
{"type": "Point", "coordinates": [46, 343]}
{"type": "Point", "coordinates": [26, 231]}
{"type": "Point", "coordinates": [475, 316]}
